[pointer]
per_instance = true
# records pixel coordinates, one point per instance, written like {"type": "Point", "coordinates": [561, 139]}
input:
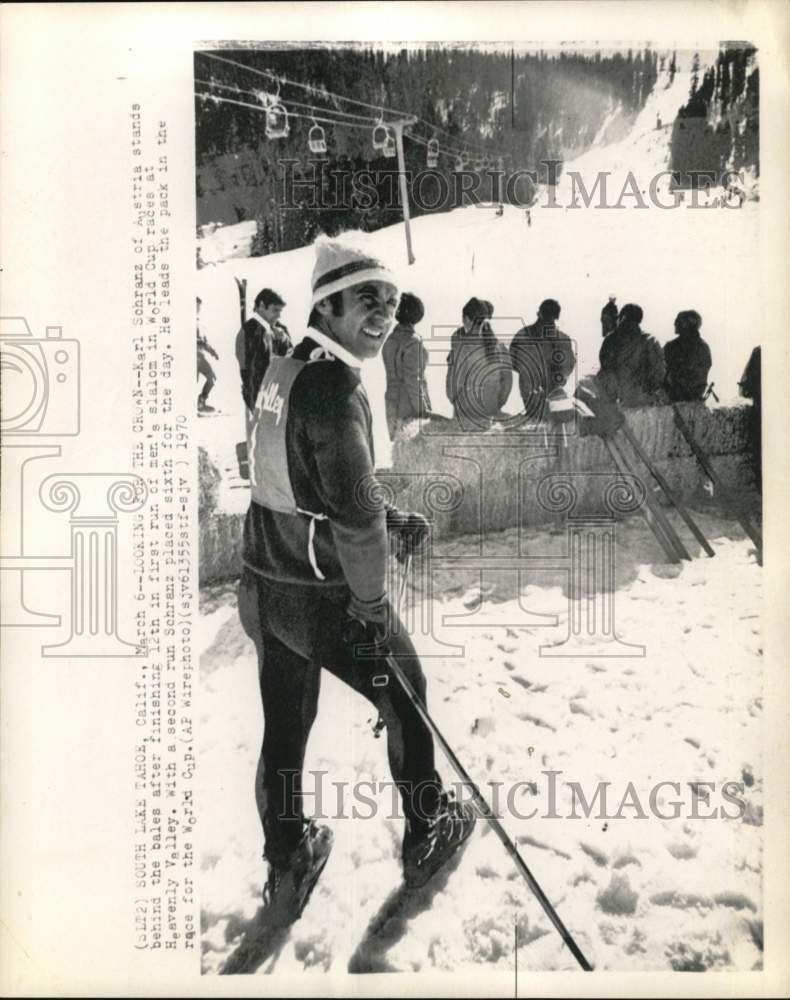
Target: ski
{"type": "Point", "coordinates": [724, 493]}
{"type": "Point", "coordinates": [260, 943]}
{"type": "Point", "coordinates": [241, 284]}
{"type": "Point", "coordinates": [391, 921]}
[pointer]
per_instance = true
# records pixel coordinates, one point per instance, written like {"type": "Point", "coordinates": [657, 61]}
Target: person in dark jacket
{"type": "Point", "coordinates": [315, 574]}
{"type": "Point", "coordinates": [688, 360]}
{"type": "Point", "coordinates": [632, 363]}
{"type": "Point", "coordinates": [543, 357]}
{"type": "Point", "coordinates": [405, 359]}
{"type": "Point", "coordinates": [750, 387]}
{"type": "Point", "coordinates": [262, 336]}
{"type": "Point", "coordinates": [479, 377]}
{"type": "Point", "coordinates": [609, 317]}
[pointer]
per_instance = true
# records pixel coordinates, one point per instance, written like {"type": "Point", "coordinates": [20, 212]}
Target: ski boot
{"type": "Point", "coordinates": [204, 407]}
{"type": "Point", "coordinates": [428, 847]}
{"type": "Point", "coordinates": [292, 880]}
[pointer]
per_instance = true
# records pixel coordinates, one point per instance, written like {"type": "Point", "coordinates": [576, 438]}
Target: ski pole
{"type": "Point", "coordinates": [485, 809]}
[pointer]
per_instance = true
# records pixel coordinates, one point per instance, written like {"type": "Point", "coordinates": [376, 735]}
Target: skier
{"type": "Point", "coordinates": [258, 339]}
{"type": "Point", "coordinates": [687, 359]}
{"type": "Point", "coordinates": [479, 377]}
{"type": "Point", "coordinates": [632, 364]}
{"type": "Point", "coordinates": [315, 558]}
{"type": "Point", "coordinates": [204, 366]}
{"type": "Point", "coordinates": [543, 357]}
{"type": "Point", "coordinates": [609, 316]}
{"type": "Point", "coordinates": [405, 359]}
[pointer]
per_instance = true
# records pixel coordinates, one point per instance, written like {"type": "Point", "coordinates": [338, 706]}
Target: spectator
{"type": "Point", "coordinates": [609, 317]}
{"type": "Point", "coordinates": [479, 377]}
{"type": "Point", "coordinates": [543, 357]}
{"type": "Point", "coordinates": [259, 338]}
{"type": "Point", "coordinates": [750, 387]}
{"type": "Point", "coordinates": [687, 359]}
{"type": "Point", "coordinates": [204, 366]}
{"type": "Point", "coordinates": [632, 364]}
{"type": "Point", "coordinates": [405, 359]}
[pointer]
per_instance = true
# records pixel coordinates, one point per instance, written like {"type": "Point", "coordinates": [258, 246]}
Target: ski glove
{"type": "Point", "coordinates": [368, 624]}
{"type": "Point", "coordinates": [376, 613]}
{"type": "Point", "coordinates": [408, 531]}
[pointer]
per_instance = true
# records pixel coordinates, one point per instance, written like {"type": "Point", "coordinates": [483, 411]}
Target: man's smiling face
{"type": "Point", "coordinates": [366, 320]}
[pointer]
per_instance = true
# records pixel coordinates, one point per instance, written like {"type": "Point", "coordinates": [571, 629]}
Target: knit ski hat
{"type": "Point", "coordinates": [338, 266]}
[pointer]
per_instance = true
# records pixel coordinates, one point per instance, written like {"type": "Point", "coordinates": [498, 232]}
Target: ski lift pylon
{"type": "Point", "coordinates": [276, 122]}
{"type": "Point", "coordinates": [316, 139]}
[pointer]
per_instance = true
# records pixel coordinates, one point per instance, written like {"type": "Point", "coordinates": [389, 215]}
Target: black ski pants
{"type": "Point", "coordinates": [297, 630]}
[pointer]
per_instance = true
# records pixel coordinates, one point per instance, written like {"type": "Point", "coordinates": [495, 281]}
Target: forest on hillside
{"type": "Point", "coordinates": [527, 108]}
{"type": "Point", "coordinates": [718, 128]}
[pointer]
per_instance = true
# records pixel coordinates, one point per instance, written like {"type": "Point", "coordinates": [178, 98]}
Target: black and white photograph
{"type": "Point", "coordinates": [418, 629]}
{"type": "Point", "coordinates": [484, 397]}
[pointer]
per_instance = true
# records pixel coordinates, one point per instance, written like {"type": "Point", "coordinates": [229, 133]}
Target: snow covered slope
{"type": "Point", "coordinates": [666, 260]}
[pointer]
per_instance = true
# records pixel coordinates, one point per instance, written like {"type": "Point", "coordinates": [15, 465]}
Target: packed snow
{"type": "Point", "coordinates": [638, 892]}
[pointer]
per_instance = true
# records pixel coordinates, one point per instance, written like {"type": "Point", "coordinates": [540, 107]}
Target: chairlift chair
{"type": "Point", "coordinates": [390, 149]}
{"type": "Point", "coordinates": [380, 136]}
{"type": "Point", "coordinates": [276, 122]}
{"type": "Point", "coordinates": [316, 139]}
{"type": "Point", "coordinates": [433, 154]}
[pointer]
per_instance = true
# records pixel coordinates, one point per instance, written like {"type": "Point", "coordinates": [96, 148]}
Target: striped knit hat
{"type": "Point", "coordinates": [338, 267]}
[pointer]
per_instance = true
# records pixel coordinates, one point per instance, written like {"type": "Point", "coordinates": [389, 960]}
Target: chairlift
{"type": "Point", "coordinates": [433, 154]}
{"type": "Point", "coordinates": [465, 158]}
{"type": "Point", "coordinates": [381, 134]}
{"type": "Point", "coordinates": [459, 163]}
{"type": "Point", "coordinates": [478, 164]}
{"type": "Point", "coordinates": [390, 149]}
{"type": "Point", "coordinates": [316, 139]}
{"type": "Point", "coordinates": [276, 122]}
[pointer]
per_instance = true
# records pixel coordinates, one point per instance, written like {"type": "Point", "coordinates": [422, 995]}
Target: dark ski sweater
{"type": "Point", "coordinates": [329, 444]}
